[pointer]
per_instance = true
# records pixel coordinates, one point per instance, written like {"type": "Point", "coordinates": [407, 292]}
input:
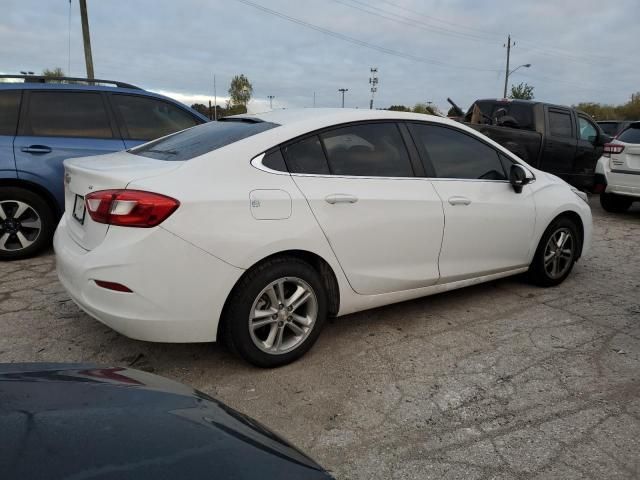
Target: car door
{"type": "Point", "coordinates": [488, 226]}
{"type": "Point", "coordinates": [559, 149]}
{"type": "Point", "coordinates": [587, 150]}
{"type": "Point", "coordinates": [142, 118]}
{"type": "Point", "coordinates": [383, 223]}
{"type": "Point", "coordinates": [9, 109]}
{"type": "Point", "coordinates": [56, 125]}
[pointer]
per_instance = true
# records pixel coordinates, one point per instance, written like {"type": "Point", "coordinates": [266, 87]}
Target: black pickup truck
{"type": "Point", "coordinates": [553, 138]}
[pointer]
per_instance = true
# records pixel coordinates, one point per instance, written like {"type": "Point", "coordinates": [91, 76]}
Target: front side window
{"type": "Point", "coordinates": [9, 108]}
{"type": "Point", "coordinates": [199, 140]}
{"type": "Point", "coordinates": [67, 114]}
{"type": "Point", "coordinates": [455, 154]}
{"type": "Point", "coordinates": [588, 130]}
{"type": "Point", "coordinates": [148, 118]}
{"type": "Point", "coordinates": [368, 150]}
{"type": "Point", "coordinates": [560, 124]}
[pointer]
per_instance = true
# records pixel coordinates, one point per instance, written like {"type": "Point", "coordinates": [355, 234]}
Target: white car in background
{"type": "Point", "coordinates": [619, 170]}
{"type": "Point", "coordinates": [258, 227]}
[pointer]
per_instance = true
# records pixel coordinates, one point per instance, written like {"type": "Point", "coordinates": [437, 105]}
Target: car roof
{"type": "Point", "coordinates": [335, 116]}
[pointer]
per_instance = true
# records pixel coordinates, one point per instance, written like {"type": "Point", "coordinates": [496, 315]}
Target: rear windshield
{"type": "Point", "coordinates": [202, 139]}
{"type": "Point", "coordinates": [610, 128]}
{"type": "Point", "coordinates": [522, 113]}
{"type": "Point", "coordinates": [630, 135]}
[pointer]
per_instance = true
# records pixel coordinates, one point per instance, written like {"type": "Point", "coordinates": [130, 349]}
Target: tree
{"type": "Point", "coordinates": [626, 111]}
{"type": "Point", "coordinates": [522, 91]}
{"type": "Point", "coordinates": [240, 91]}
{"type": "Point", "coordinates": [201, 108]}
{"type": "Point", "coordinates": [424, 108]}
{"type": "Point", "coordinates": [53, 72]}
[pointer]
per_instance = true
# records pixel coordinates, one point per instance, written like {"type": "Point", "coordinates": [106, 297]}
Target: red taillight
{"type": "Point", "coordinates": [610, 148]}
{"type": "Point", "coordinates": [130, 208]}
{"type": "Point", "coordinates": [118, 287]}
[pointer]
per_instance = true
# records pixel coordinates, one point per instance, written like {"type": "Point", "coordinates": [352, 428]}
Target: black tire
{"type": "Point", "coordinates": [539, 273]}
{"type": "Point", "coordinates": [240, 306]}
{"type": "Point", "coordinates": [614, 203]}
{"type": "Point", "coordinates": [10, 198]}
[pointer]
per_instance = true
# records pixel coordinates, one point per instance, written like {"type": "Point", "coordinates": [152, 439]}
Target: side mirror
{"type": "Point", "coordinates": [602, 140]}
{"type": "Point", "coordinates": [519, 177]}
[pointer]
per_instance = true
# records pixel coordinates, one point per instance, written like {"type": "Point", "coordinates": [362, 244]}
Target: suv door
{"type": "Point", "coordinates": [488, 226]}
{"type": "Point", "coordinates": [383, 223]}
{"type": "Point", "coordinates": [559, 150]}
{"type": "Point", "coordinates": [144, 118]}
{"type": "Point", "coordinates": [56, 125]}
{"type": "Point", "coordinates": [587, 151]}
{"type": "Point", "coordinates": [9, 109]}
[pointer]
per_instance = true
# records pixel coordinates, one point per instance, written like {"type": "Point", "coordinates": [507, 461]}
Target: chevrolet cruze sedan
{"type": "Point", "coordinates": [256, 228]}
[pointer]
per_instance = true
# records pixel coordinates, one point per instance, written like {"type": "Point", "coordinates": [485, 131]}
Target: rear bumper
{"type": "Point", "coordinates": [178, 289]}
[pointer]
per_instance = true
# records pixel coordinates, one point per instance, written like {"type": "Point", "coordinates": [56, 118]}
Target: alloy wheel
{"type": "Point", "coordinates": [20, 225]}
{"type": "Point", "coordinates": [558, 253]}
{"type": "Point", "coordinates": [283, 315]}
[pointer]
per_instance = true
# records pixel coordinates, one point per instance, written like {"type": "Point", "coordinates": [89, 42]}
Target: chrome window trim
{"type": "Point", "coordinates": [256, 162]}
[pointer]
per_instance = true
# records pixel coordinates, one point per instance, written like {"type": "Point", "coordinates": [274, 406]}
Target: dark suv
{"type": "Point", "coordinates": [44, 121]}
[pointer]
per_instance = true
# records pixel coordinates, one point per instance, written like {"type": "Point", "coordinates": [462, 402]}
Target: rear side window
{"type": "Point", "coordinates": [199, 140]}
{"type": "Point", "coordinates": [306, 156]}
{"type": "Point", "coordinates": [560, 124]}
{"type": "Point", "coordinates": [67, 114]}
{"type": "Point", "coordinates": [369, 150]}
{"type": "Point", "coordinates": [630, 135]}
{"type": "Point", "coordinates": [9, 108]}
{"type": "Point", "coordinates": [454, 154]}
{"type": "Point", "coordinates": [275, 161]}
{"type": "Point", "coordinates": [148, 118]}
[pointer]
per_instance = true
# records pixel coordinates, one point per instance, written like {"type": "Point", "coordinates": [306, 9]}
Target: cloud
{"type": "Point", "coordinates": [579, 49]}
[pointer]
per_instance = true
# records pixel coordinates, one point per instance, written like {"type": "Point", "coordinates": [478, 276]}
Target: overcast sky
{"type": "Point", "coordinates": [425, 50]}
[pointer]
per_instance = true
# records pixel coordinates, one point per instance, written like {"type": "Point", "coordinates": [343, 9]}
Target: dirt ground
{"type": "Point", "coordinates": [502, 380]}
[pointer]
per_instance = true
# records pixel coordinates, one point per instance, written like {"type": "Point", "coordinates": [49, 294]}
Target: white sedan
{"type": "Point", "coordinates": [256, 228]}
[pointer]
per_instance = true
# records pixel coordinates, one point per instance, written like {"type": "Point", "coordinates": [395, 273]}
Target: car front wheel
{"type": "Point", "coordinates": [276, 312]}
{"type": "Point", "coordinates": [26, 223]}
{"type": "Point", "coordinates": [556, 253]}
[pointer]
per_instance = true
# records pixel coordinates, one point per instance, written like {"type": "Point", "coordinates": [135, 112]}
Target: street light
{"type": "Point", "coordinates": [506, 82]}
{"type": "Point", "coordinates": [25, 72]}
{"type": "Point", "coordinates": [342, 90]}
{"type": "Point", "coordinates": [271, 97]}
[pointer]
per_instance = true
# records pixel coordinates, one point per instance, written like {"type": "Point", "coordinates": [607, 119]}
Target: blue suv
{"type": "Point", "coordinates": [43, 121]}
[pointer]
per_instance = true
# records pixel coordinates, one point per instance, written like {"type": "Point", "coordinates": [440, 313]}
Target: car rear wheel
{"type": "Point", "coordinates": [614, 203]}
{"type": "Point", "coordinates": [556, 253]}
{"type": "Point", "coordinates": [26, 223]}
{"type": "Point", "coordinates": [276, 312]}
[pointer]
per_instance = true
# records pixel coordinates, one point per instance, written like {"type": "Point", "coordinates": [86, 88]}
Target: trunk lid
{"type": "Point", "coordinates": [628, 160]}
{"type": "Point", "coordinates": [91, 174]}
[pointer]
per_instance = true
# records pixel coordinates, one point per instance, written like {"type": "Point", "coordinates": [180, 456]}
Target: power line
{"type": "Point", "coordinates": [362, 43]}
{"type": "Point", "coordinates": [533, 46]}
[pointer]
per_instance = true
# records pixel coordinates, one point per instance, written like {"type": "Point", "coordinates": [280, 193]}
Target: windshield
{"type": "Point", "coordinates": [202, 139]}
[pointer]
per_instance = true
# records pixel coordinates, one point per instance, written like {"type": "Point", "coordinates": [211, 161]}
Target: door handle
{"type": "Point", "coordinates": [36, 149]}
{"type": "Point", "coordinates": [340, 198]}
{"type": "Point", "coordinates": [456, 200]}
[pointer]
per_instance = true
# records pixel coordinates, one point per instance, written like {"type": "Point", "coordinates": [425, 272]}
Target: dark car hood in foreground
{"type": "Point", "coordinates": [87, 422]}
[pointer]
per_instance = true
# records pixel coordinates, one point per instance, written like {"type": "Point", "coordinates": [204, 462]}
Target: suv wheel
{"type": "Point", "coordinates": [614, 203]}
{"type": "Point", "coordinates": [556, 253]}
{"type": "Point", "coordinates": [276, 312]}
{"type": "Point", "coordinates": [26, 223]}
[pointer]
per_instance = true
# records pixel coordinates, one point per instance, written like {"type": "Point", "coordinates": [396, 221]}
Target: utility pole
{"type": "Point", "coordinates": [314, 99]}
{"type": "Point", "coordinates": [86, 38]}
{"type": "Point", "coordinates": [215, 99]}
{"type": "Point", "coordinates": [271, 97]}
{"type": "Point", "coordinates": [373, 81]}
{"type": "Point", "coordinates": [506, 72]}
{"type": "Point", "coordinates": [342, 90]}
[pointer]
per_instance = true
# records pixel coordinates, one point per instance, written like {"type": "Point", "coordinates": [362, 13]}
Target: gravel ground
{"type": "Point", "coordinates": [502, 380]}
